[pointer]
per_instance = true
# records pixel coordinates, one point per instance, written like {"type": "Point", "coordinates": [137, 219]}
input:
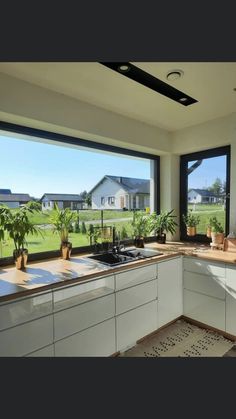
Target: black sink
{"type": "Point", "coordinates": [124, 256]}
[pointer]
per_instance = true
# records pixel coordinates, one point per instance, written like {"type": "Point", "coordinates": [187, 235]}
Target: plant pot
{"type": "Point", "coordinates": [20, 258]}
{"type": "Point", "coordinates": [208, 232]}
{"type": "Point", "coordinates": [139, 241]}
{"type": "Point", "coordinates": [161, 238]}
{"type": "Point", "coordinates": [217, 238]}
{"type": "Point", "coordinates": [191, 231]}
{"type": "Point", "coordinates": [66, 248]}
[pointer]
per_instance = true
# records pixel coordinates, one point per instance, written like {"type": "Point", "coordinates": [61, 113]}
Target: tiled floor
{"type": "Point", "coordinates": [182, 339]}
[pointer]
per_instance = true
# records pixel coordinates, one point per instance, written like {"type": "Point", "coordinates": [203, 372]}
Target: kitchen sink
{"type": "Point", "coordinates": [124, 256]}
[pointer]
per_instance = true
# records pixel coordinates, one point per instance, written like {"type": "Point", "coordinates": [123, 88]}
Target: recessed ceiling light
{"type": "Point", "coordinates": [174, 74]}
{"type": "Point", "coordinates": [123, 68]}
{"type": "Point", "coordinates": [183, 99]}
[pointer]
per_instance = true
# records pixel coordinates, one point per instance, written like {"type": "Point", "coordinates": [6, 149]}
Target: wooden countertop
{"type": "Point", "coordinates": [46, 275]}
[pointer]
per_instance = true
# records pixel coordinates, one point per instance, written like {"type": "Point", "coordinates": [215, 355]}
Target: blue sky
{"type": "Point", "coordinates": [207, 172]}
{"type": "Point", "coordinates": [35, 168]}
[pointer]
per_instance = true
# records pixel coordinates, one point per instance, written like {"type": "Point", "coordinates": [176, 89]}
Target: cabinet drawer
{"type": "Point", "coordinates": [17, 312]}
{"type": "Point", "coordinates": [135, 276]}
{"type": "Point", "coordinates": [135, 296]}
{"type": "Point", "coordinates": [74, 319]}
{"type": "Point", "coordinates": [214, 286]}
{"type": "Point", "coordinates": [98, 340]}
{"type": "Point", "coordinates": [48, 351]}
{"type": "Point", "coordinates": [208, 310]}
{"type": "Point", "coordinates": [77, 294]}
{"type": "Point", "coordinates": [28, 337]}
{"type": "Point", "coordinates": [135, 324]}
{"type": "Point", "coordinates": [204, 267]}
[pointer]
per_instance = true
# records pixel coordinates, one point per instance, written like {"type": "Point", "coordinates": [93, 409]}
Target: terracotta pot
{"type": "Point", "coordinates": [161, 238]}
{"type": "Point", "coordinates": [20, 258]}
{"type": "Point", "coordinates": [191, 231]}
{"type": "Point", "coordinates": [66, 250]}
{"type": "Point", "coordinates": [217, 238]}
{"type": "Point", "coordinates": [208, 232]}
{"type": "Point", "coordinates": [139, 241]}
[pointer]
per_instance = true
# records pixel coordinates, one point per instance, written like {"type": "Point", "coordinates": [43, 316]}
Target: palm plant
{"type": "Point", "coordinates": [162, 223]}
{"type": "Point", "coordinates": [140, 227]}
{"type": "Point", "coordinates": [62, 219]}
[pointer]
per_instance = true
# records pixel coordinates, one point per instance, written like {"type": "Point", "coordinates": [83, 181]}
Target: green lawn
{"type": "Point", "coordinates": [205, 212]}
{"type": "Point", "coordinates": [84, 215]}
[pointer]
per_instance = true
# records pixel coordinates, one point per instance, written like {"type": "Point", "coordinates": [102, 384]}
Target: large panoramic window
{"type": "Point", "coordinates": [102, 185]}
{"type": "Point", "coordinates": [204, 193]}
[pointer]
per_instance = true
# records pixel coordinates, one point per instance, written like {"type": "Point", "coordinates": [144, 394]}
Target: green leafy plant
{"type": "Point", "coordinates": [139, 224]}
{"type": "Point", "coordinates": [83, 228]}
{"type": "Point", "coordinates": [162, 223]}
{"type": "Point", "coordinates": [93, 234]}
{"type": "Point", "coordinates": [216, 226]}
{"type": "Point", "coordinates": [123, 233]}
{"type": "Point", "coordinates": [62, 219]}
{"type": "Point", "coordinates": [18, 225]}
{"type": "Point", "coordinates": [190, 219]}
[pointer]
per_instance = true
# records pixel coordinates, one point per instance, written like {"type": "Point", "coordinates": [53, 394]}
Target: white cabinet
{"type": "Point", "coordinates": [204, 267]}
{"type": "Point", "coordinates": [205, 309]}
{"type": "Point", "coordinates": [231, 300]}
{"type": "Point", "coordinates": [98, 340]}
{"type": "Point", "coordinates": [135, 296]}
{"type": "Point", "coordinates": [74, 319]}
{"type": "Point", "coordinates": [214, 286]}
{"type": "Point", "coordinates": [169, 290]}
{"type": "Point", "coordinates": [28, 337]}
{"type": "Point", "coordinates": [135, 324]}
{"type": "Point", "coordinates": [135, 276]}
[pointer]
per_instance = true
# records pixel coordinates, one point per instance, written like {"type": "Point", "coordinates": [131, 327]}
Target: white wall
{"type": "Point", "coordinates": [194, 197]}
{"type": "Point", "coordinates": [107, 188]}
{"type": "Point", "coordinates": [11, 204]}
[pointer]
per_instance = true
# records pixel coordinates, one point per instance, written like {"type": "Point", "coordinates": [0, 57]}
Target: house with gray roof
{"type": "Point", "coordinates": [14, 200]}
{"type": "Point", "coordinates": [117, 192]}
{"type": "Point", "coordinates": [202, 196]}
{"type": "Point", "coordinates": [72, 201]}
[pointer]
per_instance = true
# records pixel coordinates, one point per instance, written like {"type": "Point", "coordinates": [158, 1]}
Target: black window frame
{"type": "Point", "coordinates": [184, 159]}
{"type": "Point", "coordinates": [76, 141]}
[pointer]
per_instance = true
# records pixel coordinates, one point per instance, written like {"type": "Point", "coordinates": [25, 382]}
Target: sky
{"type": "Point", "coordinates": [37, 168]}
{"type": "Point", "coordinates": [207, 172]}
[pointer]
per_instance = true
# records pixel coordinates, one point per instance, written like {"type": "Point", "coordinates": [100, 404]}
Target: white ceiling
{"type": "Point", "coordinates": [211, 84]}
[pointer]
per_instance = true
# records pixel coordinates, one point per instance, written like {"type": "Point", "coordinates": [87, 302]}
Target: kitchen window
{"type": "Point", "coordinates": [205, 189]}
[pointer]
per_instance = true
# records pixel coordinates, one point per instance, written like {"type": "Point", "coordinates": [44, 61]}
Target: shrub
{"type": "Point", "coordinates": [83, 228]}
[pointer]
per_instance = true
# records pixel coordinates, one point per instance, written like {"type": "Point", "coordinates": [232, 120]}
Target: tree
{"type": "Point", "coordinates": [88, 200]}
{"type": "Point", "coordinates": [217, 187]}
{"type": "Point", "coordinates": [83, 194]}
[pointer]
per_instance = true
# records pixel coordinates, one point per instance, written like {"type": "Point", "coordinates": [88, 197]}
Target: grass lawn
{"type": "Point", "coordinates": [84, 215]}
{"type": "Point", "coordinates": [205, 212]}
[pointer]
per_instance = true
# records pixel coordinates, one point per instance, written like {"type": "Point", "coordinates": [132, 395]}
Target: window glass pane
{"type": "Point", "coordinates": [102, 188]}
{"type": "Point", "coordinates": [207, 190]}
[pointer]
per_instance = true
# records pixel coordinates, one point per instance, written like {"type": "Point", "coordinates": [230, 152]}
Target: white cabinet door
{"type": "Point", "coordinates": [231, 300]}
{"type": "Point", "coordinates": [135, 324]}
{"type": "Point", "coordinates": [204, 267]}
{"type": "Point", "coordinates": [98, 340]}
{"type": "Point", "coordinates": [74, 319]}
{"type": "Point", "coordinates": [135, 296]}
{"type": "Point", "coordinates": [135, 276]}
{"type": "Point", "coordinates": [205, 309]}
{"type": "Point", "coordinates": [169, 290]}
{"type": "Point", "coordinates": [214, 286]}
{"type": "Point", "coordinates": [28, 337]}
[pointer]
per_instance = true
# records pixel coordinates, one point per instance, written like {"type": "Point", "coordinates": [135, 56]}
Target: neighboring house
{"type": "Point", "coordinates": [202, 196]}
{"type": "Point", "coordinates": [5, 191]}
{"type": "Point", "coordinates": [116, 192]}
{"type": "Point", "coordinates": [14, 200]}
{"type": "Point", "coordinates": [72, 201]}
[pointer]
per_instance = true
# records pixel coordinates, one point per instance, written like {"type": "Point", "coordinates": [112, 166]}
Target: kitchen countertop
{"type": "Point", "coordinates": [53, 273]}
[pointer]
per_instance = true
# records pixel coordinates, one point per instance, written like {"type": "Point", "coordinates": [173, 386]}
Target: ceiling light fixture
{"type": "Point", "coordinates": [138, 75]}
{"type": "Point", "coordinates": [174, 75]}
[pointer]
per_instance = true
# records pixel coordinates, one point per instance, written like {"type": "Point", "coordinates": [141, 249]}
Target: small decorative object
{"type": "Point", "coordinates": [217, 231]}
{"type": "Point", "coordinates": [161, 224]}
{"type": "Point", "coordinates": [18, 225]}
{"type": "Point", "coordinates": [191, 221]}
{"type": "Point", "coordinates": [140, 228]}
{"type": "Point", "coordinates": [62, 220]}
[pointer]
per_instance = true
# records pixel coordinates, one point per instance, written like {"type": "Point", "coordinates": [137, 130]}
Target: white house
{"type": "Point", "coordinates": [116, 192]}
{"type": "Point", "coordinates": [202, 196]}
{"type": "Point", "coordinates": [14, 200]}
{"type": "Point", "coordinates": [72, 201]}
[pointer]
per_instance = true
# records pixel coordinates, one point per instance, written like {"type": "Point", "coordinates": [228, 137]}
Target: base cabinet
{"type": "Point", "coordinates": [169, 291]}
{"type": "Point", "coordinates": [231, 300]}
{"type": "Point", "coordinates": [135, 324]}
{"type": "Point", "coordinates": [98, 340]}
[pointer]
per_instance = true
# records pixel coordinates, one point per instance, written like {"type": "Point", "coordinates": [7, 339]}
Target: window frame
{"type": "Point", "coordinates": [184, 159]}
{"type": "Point", "coordinates": [76, 141]}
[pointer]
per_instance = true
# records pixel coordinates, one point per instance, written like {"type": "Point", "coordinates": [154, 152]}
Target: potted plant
{"type": "Point", "coordinates": [217, 231]}
{"type": "Point", "coordinates": [191, 221]}
{"type": "Point", "coordinates": [140, 228]}
{"type": "Point", "coordinates": [18, 225]}
{"type": "Point", "coordinates": [212, 220]}
{"type": "Point", "coordinates": [161, 224]}
{"type": "Point", "coordinates": [3, 214]}
{"type": "Point", "coordinates": [62, 220]}
{"type": "Point", "coordinates": [94, 234]}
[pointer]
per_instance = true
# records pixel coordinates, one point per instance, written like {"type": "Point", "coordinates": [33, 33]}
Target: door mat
{"type": "Point", "coordinates": [182, 339]}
